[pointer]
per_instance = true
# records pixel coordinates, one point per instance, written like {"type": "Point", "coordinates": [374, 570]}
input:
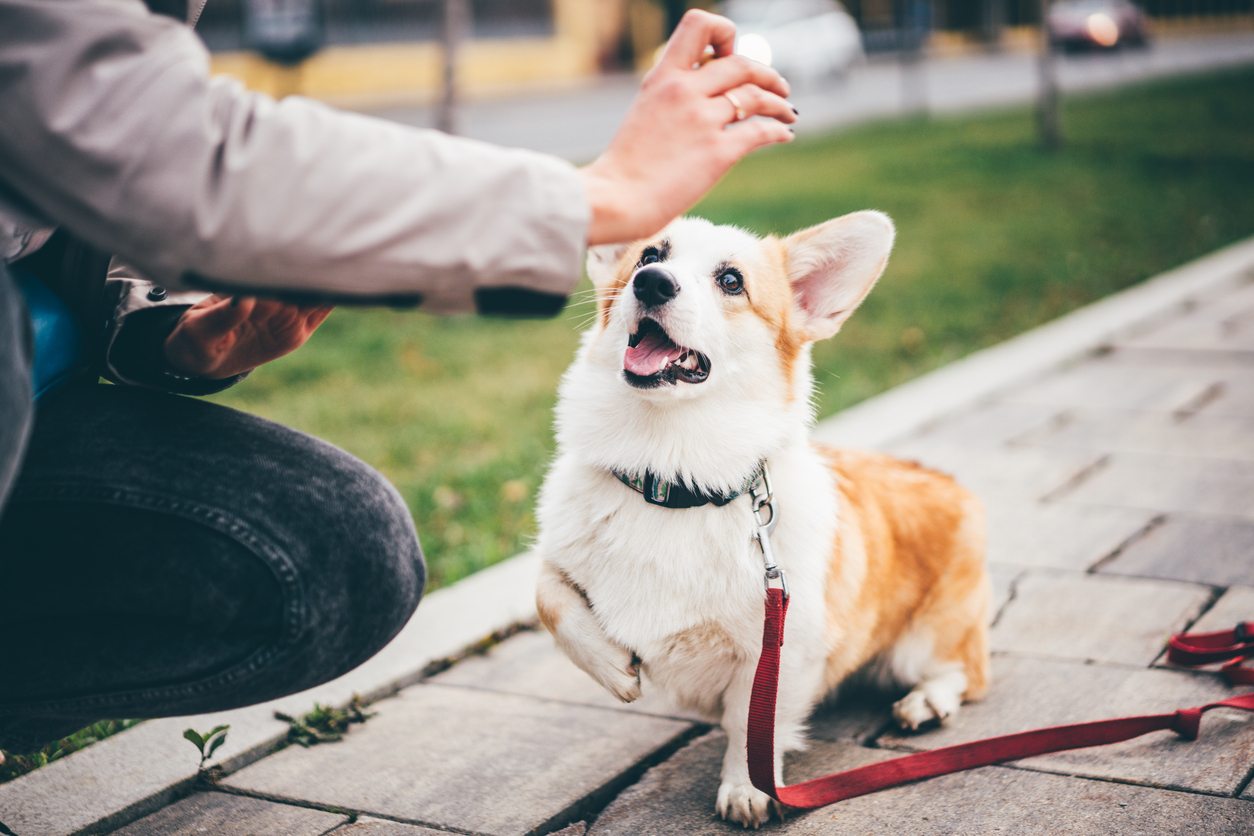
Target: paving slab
{"type": "Point", "coordinates": [222, 814]}
{"type": "Point", "coordinates": [531, 665]}
{"type": "Point", "coordinates": [1207, 550]}
{"type": "Point", "coordinates": [1229, 437]}
{"type": "Point", "coordinates": [1030, 693]}
{"type": "Point", "coordinates": [677, 797]}
{"type": "Point", "coordinates": [1112, 382]}
{"type": "Point", "coordinates": [1223, 323]}
{"type": "Point", "coordinates": [1001, 474]}
{"type": "Point", "coordinates": [366, 826]}
{"type": "Point", "coordinates": [1003, 580]}
{"type": "Point", "coordinates": [468, 759]}
{"type": "Point", "coordinates": [106, 785]}
{"type": "Point", "coordinates": [1060, 535]}
{"type": "Point", "coordinates": [990, 423]}
{"type": "Point", "coordinates": [1084, 618]}
{"type": "Point", "coordinates": [1182, 383]}
{"type": "Point", "coordinates": [1236, 604]}
{"type": "Point", "coordinates": [1168, 483]}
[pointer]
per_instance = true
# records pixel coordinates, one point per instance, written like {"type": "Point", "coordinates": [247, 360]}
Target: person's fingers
{"type": "Point", "coordinates": [696, 31]}
{"type": "Point", "coordinates": [316, 316]}
{"type": "Point", "coordinates": [747, 101]}
{"type": "Point", "coordinates": [216, 317]}
{"type": "Point", "coordinates": [736, 70]}
{"type": "Point", "coordinates": [741, 139]}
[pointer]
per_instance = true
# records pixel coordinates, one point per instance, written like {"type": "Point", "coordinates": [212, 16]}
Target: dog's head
{"type": "Point", "coordinates": [697, 300]}
{"type": "Point", "coordinates": [718, 323]}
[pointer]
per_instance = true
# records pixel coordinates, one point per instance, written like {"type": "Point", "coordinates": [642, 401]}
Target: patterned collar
{"type": "Point", "coordinates": [678, 495]}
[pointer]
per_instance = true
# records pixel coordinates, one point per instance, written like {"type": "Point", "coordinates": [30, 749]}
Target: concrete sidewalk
{"type": "Point", "coordinates": [1115, 451]}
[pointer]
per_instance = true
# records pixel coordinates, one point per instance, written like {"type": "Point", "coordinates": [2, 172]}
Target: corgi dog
{"type": "Point", "coordinates": [693, 381]}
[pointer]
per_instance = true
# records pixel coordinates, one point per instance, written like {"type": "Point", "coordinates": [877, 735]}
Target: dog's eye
{"type": "Point", "coordinates": [730, 281]}
{"type": "Point", "coordinates": [650, 256]}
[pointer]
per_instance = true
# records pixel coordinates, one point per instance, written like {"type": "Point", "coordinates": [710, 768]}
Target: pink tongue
{"type": "Point", "coordinates": [651, 355]}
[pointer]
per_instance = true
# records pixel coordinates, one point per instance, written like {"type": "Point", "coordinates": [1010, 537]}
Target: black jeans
{"type": "Point", "coordinates": [161, 556]}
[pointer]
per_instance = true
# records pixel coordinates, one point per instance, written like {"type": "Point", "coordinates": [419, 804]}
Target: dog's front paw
{"type": "Point", "coordinates": [566, 612]}
{"type": "Point", "coordinates": [925, 705]}
{"type": "Point", "coordinates": [622, 680]}
{"type": "Point", "coordinates": [746, 804]}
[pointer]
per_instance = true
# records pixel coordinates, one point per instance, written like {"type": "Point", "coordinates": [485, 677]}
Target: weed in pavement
{"type": "Point", "coordinates": [324, 724]}
{"type": "Point", "coordinates": [206, 743]}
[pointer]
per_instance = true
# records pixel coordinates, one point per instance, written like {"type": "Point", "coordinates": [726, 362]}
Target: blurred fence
{"type": "Point", "coordinates": [222, 24]}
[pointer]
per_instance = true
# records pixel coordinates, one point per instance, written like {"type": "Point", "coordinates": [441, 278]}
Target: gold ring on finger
{"type": "Point", "coordinates": [740, 111]}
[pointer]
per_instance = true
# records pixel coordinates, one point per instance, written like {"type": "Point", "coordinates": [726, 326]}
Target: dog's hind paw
{"type": "Point", "coordinates": [925, 705]}
{"type": "Point", "coordinates": [747, 805]}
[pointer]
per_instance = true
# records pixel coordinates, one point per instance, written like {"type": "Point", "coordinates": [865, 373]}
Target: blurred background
{"type": "Point", "coordinates": [1030, 169]}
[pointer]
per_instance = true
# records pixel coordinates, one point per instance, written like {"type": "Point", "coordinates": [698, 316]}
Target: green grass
{"type": "Point", "coordinates": [994, 237]}
{"type": "Point", "coordinates": [17, 765]}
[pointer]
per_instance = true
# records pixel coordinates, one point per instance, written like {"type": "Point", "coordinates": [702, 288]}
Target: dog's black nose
{"type": "Point", "coordinates": [654, 287]}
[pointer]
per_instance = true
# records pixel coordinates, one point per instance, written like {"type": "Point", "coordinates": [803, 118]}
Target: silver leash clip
{"type": "Point", "coordinates": [763, 497]}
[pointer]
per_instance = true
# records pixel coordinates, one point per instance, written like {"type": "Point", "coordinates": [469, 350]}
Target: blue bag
{"type": "Point", "coordinates": [59, 345]}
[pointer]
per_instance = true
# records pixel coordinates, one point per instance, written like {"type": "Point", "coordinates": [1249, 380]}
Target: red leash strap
{"type": "Point", "coordinates": [878, 776]}
{"type": "Point", "coordinates": [762, 700]}
{"type": "Point", "coordinates": [1237, 644]}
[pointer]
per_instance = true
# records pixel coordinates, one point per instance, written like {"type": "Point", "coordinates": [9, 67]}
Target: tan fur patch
{"type": "Point", "coordinates": [915, 536]}
{"type": "Point", "coordinates": [549, 607]}
{"type": "Point", "coordinates": [771, 298]}
{"type": "Point", "coordinates": [701, 640]}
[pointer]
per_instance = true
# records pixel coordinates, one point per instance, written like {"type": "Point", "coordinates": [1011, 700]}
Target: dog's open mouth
{"type": "Point", "coordinates": [653, 358]}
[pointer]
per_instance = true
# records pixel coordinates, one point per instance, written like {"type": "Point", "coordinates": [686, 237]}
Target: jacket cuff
{"type": "Point", "coordinates": [136, 355]}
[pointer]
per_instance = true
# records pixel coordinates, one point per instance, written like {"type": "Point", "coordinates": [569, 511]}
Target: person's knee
{"type": "Point", "coordinates": [362, 566]}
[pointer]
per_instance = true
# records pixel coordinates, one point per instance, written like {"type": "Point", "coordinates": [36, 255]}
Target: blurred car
{"type": "Point", "coordinates": [1096, 24]}
{"type": "Point", "coordinates": [804, 40]}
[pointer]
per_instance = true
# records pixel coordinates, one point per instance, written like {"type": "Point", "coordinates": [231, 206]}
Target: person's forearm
{"type": "Point", "coordinates": [112, 127]}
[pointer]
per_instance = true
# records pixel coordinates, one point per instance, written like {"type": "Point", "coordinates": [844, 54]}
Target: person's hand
{"type": "Point", "coordinates": [223, 336]}
{"type": "Point", "coordinates": [675, 143]}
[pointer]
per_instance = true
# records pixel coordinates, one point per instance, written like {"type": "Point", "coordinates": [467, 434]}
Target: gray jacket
{"type": "Point", "coordinates": [111, 126]}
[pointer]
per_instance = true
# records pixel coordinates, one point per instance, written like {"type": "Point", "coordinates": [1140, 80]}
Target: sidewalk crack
{"type": "Point", "coordinates": [1077, 479]}
{"type": "Point", "coordinates": [1105, 560]}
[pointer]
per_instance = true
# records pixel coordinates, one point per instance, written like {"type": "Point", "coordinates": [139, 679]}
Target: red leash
{"type": "Point", "coordinates": [1198, 649]}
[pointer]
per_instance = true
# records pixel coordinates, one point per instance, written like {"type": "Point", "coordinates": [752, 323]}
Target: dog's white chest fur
{"type": "Point", "coordinates": [682, 588]}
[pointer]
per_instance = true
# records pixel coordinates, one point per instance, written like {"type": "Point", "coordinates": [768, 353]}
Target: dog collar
{"type": "Point", "coordinates": [677, 495]}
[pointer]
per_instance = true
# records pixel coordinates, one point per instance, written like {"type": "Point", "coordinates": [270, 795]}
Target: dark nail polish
{"type": "Point", "coordinates": [795, 112]}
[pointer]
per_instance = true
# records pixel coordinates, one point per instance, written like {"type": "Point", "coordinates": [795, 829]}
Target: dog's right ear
{"type": "Point", "coordinates": [603, 261]}
{"type": "Point", "coordinates": [833, 266]}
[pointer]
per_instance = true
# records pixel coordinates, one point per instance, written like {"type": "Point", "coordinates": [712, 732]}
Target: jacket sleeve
{"type": "Point", "coordinates": [111, 125]}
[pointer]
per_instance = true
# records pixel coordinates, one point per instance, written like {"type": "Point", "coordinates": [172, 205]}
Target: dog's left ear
{"type": "Point", "coordinates": [834, 265]}
{"type": "Point", "coordinates": [602, 263]}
